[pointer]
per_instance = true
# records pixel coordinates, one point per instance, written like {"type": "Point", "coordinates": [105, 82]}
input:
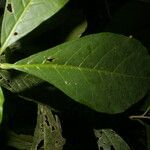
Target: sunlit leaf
{"type": "Point", "coordinates": [106, 72]}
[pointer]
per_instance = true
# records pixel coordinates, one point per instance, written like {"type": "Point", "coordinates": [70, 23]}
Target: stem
{"type": "Point", "coordinates": [147, 110]}
{"type": "Point", "coordinates": [143, 116]}
{"type": "Point", "coordinates": [6, 66]}
{"type": "Point", "coordinates": [139, 117]}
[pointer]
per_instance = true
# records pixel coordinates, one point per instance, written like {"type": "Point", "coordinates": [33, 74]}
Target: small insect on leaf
{"type": "Point", "coordinates": [9, 7]}
{"type": "Point", "coordinates": [1, 104]}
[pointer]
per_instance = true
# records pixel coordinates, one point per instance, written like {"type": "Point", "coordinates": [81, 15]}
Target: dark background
{"type": "Point", "coordinates": [118, 16]}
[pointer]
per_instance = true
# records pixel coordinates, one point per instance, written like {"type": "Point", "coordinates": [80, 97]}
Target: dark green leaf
{"type": "Point", "coordinates": [77, 31]}
{"type": "Point", "coordinates": [106, 72]}
{"type": "Point", "coordinates": [23, 81]}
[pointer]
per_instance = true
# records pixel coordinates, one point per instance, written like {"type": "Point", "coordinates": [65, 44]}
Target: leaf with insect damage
{"type": "Point", "coordinates": [107, 72]}
{"type": "Point", "coordinates": [109, 139]}
{"type": "Point", "coordinates": [21, 17]}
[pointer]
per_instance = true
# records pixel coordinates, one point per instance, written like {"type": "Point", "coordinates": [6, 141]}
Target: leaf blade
{"type": "Point", "coordinates": [106, 72]}
{"type": "Point", "coordinates": [107, 138]}
{"type": "Point", "coordinates": [1, 104]}
{"type": "Point", "coordinates": [22, 17]}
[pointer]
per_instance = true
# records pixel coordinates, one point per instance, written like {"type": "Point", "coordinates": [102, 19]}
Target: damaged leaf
{"type": "Point", "coordinates": [107, 72]}
{"type": "Point", "coordinates": [47, 133]}
{"type": "Point", "coordinates": [107, 139]}
{"type": "Point", "coordinates": [21, 17]}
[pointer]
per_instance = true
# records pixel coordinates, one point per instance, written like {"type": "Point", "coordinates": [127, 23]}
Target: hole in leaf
{"type": "Point", "coordinates": [40, 145]}
{"type": "Point", "coordinates": [56, 142]}
{"type": "Point", "coordinates": [97, 139]}
{"type": "Point", "coordinates": [15, 33]}
{"type": "Point", "coordinates": [9, 7]}
{"type": "Point", "coordinates": [46, 120]}
{"type": "Point", "coordinates": [53, 128]}
{"type": "Point", "coordinates": [50, 59]}
{"type": "Point", "coordinates": [9, 81]}
{"type": "Point", "coordinates": [101, 148]}
{"type": "Point", "coordinates": [112, 148]}
{"type": "Point", "coordinates": [41, 125]}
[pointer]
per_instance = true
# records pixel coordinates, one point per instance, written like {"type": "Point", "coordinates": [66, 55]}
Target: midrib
{"type": "Point", "coordinates": [22, 67]}
{"type": "Point", "coordinates": [14, 27]}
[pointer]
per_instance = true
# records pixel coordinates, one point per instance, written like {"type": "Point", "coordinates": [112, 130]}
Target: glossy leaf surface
{"type": "Point", "coordinates": [23, 16]}
{"type": "Point", "coordinates": [107, 72]}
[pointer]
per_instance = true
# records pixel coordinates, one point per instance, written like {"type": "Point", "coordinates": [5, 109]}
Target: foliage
{"type": "Point", "coordinates": [107, 139]}
{"type": "Point", "coordinates": [104, 76]}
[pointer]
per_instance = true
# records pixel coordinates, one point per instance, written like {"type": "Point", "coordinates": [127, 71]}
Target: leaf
{"type": "Point", "coordinates": [48, 130]}
{"type": "Point", "coordinates": [1, 104]}
{"type": "Point", "coordinates": [108, 139]}
{"type": "Point", "coordinates": [23, 16]}
{"type": "Point", "coordinates": [107, 72]}
{"type": "Point", "coordinates": [4, 74]}
{"type": "Point", "coordinates": [77, 31]}
{"type": "Point", "coordinates": [23, 81]}
{"type": "Point", "coordinates": [17, 82]}
{"type": "Point", "coordinates": [71, 29]}
{"type": "Point", "coordinates": [19, 141]}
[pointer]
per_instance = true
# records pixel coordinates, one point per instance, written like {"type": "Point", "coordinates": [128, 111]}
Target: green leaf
{"type": "Point", "coordinates": [108, 139]}
{"type": "Point", "coordinates": [23, 82]}
{"type": "Point", "coordinates": [19, 141]}
{"type": "Point", "coordinates": [107, 72]}
{"type": "Point", "coordinates": [1, 104]}
{"type": "Point", "coordinates": [18, 82]}
{"type": "Point", "coordinates": [77, 31]}
{"type": "Point", "coordinates": [48, 129]}
{"type": "Point", "coordinates": [23, 16]}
